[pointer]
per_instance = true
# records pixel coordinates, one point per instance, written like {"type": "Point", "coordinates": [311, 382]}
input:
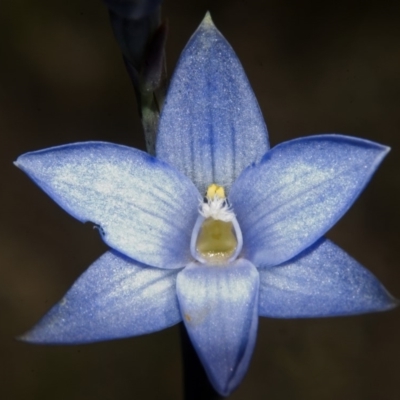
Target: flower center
{"type": "Point", "coordinates": [216, 236]}
{"type": "Point", "coordinates": [216, 240]}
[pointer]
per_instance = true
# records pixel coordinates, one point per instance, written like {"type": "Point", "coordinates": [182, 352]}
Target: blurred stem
{"type": "Point", "coordinates": [141, 37]}
{"type": "Point", "coordinates": [196, 383]}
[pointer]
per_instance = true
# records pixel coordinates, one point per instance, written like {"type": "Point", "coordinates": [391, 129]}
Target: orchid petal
{"type": "Point", "coordinates": [115, 298]}
{"type": "Point", "coordinates": [323, 281]}
{"type": "Point", "coordinates": [219, 306]}
{"type": "Point", "coordinates": [146, 209]}
{"type": "Point", "coordinates": [300, 190]}
{"type": "Point", "coordinates": [211, 126]}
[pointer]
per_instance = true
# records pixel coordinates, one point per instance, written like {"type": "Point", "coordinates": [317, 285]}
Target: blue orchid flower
{"type": "Point", "coordinates": [252, 246]}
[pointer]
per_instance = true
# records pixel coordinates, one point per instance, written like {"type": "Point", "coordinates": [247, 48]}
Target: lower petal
{"type": "Point", "coordinates": [219, 305]}
{"type": "Point", "coordinates": [323, 281]}
{"type": "Point", "coordinates": [115, 298]}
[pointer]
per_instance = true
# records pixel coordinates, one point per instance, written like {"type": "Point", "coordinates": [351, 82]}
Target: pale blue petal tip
{"type": "Point", "coordinates": [115, 298]}
{"type": "Point", "coordinates": [323, 281]}
{"type": "Point", "coordinates": [299, 191]}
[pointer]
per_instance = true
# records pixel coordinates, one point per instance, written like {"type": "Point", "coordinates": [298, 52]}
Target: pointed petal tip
{"type": "Point", "coordinates": [29, 337]}
{"type": "Point", "coordinates": [207, 21]}
{"type": "Point", "coordinates": [387, 302]}
{"type": "Point", "coordinates": [39, 337]}
{"type": "Point", "coordinates": [21, 338]}
{"type": "Point", "coordinates": [23, 164]}
{"type": "Point", "coordinates": [394, 303]}
{"type": "Point", "coordinates": [29, 162]}
{"type": "Point", "coordinates": [383, 149]}
{"type": "Point", "coordinates": [386, 149]}
{"type": "Point", "coordinates": [34, 336]}
{"type": "Point", "coordinates": [19, 162]}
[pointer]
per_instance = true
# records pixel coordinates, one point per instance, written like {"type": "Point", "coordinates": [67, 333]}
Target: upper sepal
{"type": "Point", "coordinates": [299, 191]}
{"type": "Point", "coordinates": [323, 281]}
{"type": "Point", "coordinates": [145, 208]}
{"type": "Point", "coordinates": [219, 306]}
{"type": "Point", "coordinates": [115, 298]}
{"type": "Point", "coordinates": [211, 126]}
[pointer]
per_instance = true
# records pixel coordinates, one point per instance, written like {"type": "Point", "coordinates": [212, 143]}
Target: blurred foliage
{"type": "Point", "coordinates": [141, 36]}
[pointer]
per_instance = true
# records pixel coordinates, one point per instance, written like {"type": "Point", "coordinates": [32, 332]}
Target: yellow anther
{"type": "Point", "coordinates": [215, 190]}
{"type": "Point", "coordinates": [211, 191]}
{"type": "Point", "coordinates": [220, 192]}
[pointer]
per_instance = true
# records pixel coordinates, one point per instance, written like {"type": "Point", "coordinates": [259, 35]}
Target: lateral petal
{"type": "Point", "coordinates": [115, 298]}
{"type": "Point", "coordinates": [298, 192]}
{"type": "Point", "coordinates": [323, 281]}
{"type": "Point", "coordinates": [145, 209]}
{"type": "Point", "coordinates": [211, 126]}
{"type": "Point", "coordinates": [219, 307]}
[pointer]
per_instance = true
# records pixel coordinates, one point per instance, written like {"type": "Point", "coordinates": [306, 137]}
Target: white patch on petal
{"type": "Point", "coordinates": [216, 205]}
{"type": "Point", "coordinates": [217, 208]}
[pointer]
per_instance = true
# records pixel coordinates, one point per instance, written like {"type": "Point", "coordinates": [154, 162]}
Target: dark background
{"type": "Point", "coordinates": [316, 67]}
